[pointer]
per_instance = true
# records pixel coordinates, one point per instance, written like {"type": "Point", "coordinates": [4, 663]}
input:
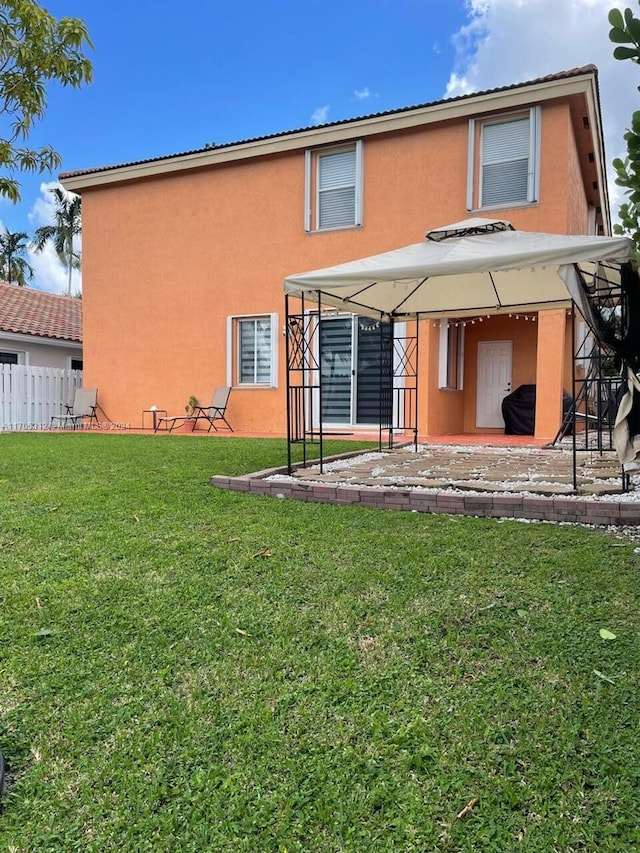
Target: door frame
{"type": "Point", "coordinates": [316, 409]}
{"type": "Point", "coordinates": [353, 351]}
{"type": "Point", "coordinates": [480, 361]}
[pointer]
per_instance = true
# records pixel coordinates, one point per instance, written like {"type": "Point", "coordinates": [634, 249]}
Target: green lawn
{"type": "Point", "coordinates": [187, 669]}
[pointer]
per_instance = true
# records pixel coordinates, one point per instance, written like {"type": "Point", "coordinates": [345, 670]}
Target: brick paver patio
{"type": "Point", "coordinates": [487, 469]}
{"type": "Point", "coordinates": [496, 482]}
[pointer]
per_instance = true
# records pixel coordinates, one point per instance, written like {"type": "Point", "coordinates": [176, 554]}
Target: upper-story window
{"type": "Point", "coordinates": [333, 188]}
{"type": "Point", "coordinates": [505, 171]}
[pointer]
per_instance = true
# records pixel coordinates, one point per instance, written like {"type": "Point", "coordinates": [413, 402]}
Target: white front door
{"type": "Point", "coordinates": [494, 381]}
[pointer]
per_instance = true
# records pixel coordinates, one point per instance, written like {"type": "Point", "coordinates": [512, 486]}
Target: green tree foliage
{"type": "Point", "coordinates": [625, 33]}
{"type": "Point", "coordinates": [35, 50]}
{"type": "Point", "coordinates": [13, 266]}
{"type": "Point", "coordinates": [66, 228]}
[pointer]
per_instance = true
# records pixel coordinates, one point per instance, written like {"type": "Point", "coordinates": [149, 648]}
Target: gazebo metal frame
{"type": "Point", "coordinates": [596, 387]}
{"type": "Point", "coordinates": [398, 380]}
{"type": "Point", "coordinates": [489, 267]}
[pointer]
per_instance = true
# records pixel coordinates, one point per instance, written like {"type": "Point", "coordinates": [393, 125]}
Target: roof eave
{"type": "Point", "coordinates": [503, 99]}
{"type": "Point", "coordinates": [26, 337]}
{"type": "Point", "coordinates": [595, 117]}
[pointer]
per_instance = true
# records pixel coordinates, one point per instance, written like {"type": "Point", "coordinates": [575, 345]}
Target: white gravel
{"type": "Point", "coordinates": [510, 486]}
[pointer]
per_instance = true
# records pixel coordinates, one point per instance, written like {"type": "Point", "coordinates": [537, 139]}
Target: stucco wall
{"type": "Point", "coordinates": [577, 206]}
{"type": "Point", "coordinates": [41, 355]}
{"type": "Point", "coordinates": [167, 259]}
{"type": "Point", "coordinates": [524, 336]}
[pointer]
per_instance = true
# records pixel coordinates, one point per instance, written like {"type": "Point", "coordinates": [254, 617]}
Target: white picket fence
{"type": "Point", "coordinates": [31, 396]}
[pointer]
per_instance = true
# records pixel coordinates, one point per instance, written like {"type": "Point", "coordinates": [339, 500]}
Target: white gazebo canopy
{"type": "Point", "coordinates": [477, 266]}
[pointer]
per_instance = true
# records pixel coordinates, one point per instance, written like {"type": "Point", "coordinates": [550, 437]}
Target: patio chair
{"type": "Point", "coordinates": [170, 422]}
{"type": "Point", "coordinates": [216, 411]}
{"type": "Point", "coordinates": [85, 405]}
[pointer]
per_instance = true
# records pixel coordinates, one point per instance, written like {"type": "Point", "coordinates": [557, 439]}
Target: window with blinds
{"type": "Point", "coordinates": [337, 189]}
{"type": "Point", "coordinates": [254, 343]}
{"type": "Point", "coordinates": [252, 350]}
{"type": "Point", "coordinates": [333, 188]}
{"type": "Point", "coordinates": [508, 162]}
{"type": "Point", "coordinates": [505, 162]}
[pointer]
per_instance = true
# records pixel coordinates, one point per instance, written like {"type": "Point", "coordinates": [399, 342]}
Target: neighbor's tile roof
{"type": "Point", "coordinates": [26, 311]}
{"type": "Point", "coordinates": [549, 78]}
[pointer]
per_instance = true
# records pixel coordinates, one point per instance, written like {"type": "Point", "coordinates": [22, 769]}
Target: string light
{"type": "Point", "coordinates": [454, 324]}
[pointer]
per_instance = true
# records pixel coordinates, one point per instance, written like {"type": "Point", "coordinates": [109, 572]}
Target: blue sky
{"type": "Point", "coordinates": [172, 77]}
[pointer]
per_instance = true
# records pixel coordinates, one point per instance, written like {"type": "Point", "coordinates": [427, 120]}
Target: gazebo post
{"type": "Point", "coordinates": [415, 405]}
{"type": "Point", "coordinates": [320, 417]}
{"type": "Point", "coordinates": [288, 384]}
{"type": "Point", "coordinates": [574, 362]}
{"type": "Point", "coordinates": [299, 402]}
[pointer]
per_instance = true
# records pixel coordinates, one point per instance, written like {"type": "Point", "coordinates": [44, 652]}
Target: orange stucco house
{"type": "Point", "coordinates": [184, 256]}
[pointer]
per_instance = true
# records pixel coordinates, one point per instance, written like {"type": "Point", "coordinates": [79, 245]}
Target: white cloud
{"type": "Point", "coordinates": [511, 41]}
{"type": "Point", "coordinates": [362, 94]}
{"type": "Point", "coordinates": [41, 212]}
{"type": "Point", "coordinates": [319, 116]}
{"type": "Point", "coordinates": [457, 86]}
{"type": "Point", "coordinates": [50, 273]}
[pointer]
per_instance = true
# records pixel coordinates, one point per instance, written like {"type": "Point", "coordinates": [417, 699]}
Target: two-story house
{"type": "Point", "coordinates": [184, 256]}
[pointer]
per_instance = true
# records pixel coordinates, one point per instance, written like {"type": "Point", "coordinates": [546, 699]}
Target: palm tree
{"type": "Point", "coordinates": [13, 266]}
{"type": "Point", "coordinates": [67, 225]}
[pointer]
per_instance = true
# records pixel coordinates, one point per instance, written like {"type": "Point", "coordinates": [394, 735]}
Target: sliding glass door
{"type": "Point", "coordinates": [351, 367]}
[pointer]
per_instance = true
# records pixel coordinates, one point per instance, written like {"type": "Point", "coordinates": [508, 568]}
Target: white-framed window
{"type": "Point", "coordinates": [333, 188]}
{"type": "Point", "coordinates": [74, 362]}
{"type": "Point", "coordinates": [506, 171]}
{"type": "Point", "coordinates": [252, 350]}
{"type": "Point", "coordinates": [451, 362]}
{"type": "Point", "coordinates": [12, 356]}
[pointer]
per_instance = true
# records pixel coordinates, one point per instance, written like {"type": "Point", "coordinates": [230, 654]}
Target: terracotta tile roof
{"type": "Point", "coordinates": [549, 78]}
{"type": "Point", "coordinates": [26, 311]}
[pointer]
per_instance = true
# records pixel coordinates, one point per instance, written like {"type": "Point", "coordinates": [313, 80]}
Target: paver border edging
{"type": "Point", "coordinates": [540, 508]}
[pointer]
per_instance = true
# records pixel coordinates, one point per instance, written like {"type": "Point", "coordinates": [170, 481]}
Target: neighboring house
{"type": "Point", "coordinates": [40, 329]}
{"type": "Point", "coordinates": [184, 256]}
